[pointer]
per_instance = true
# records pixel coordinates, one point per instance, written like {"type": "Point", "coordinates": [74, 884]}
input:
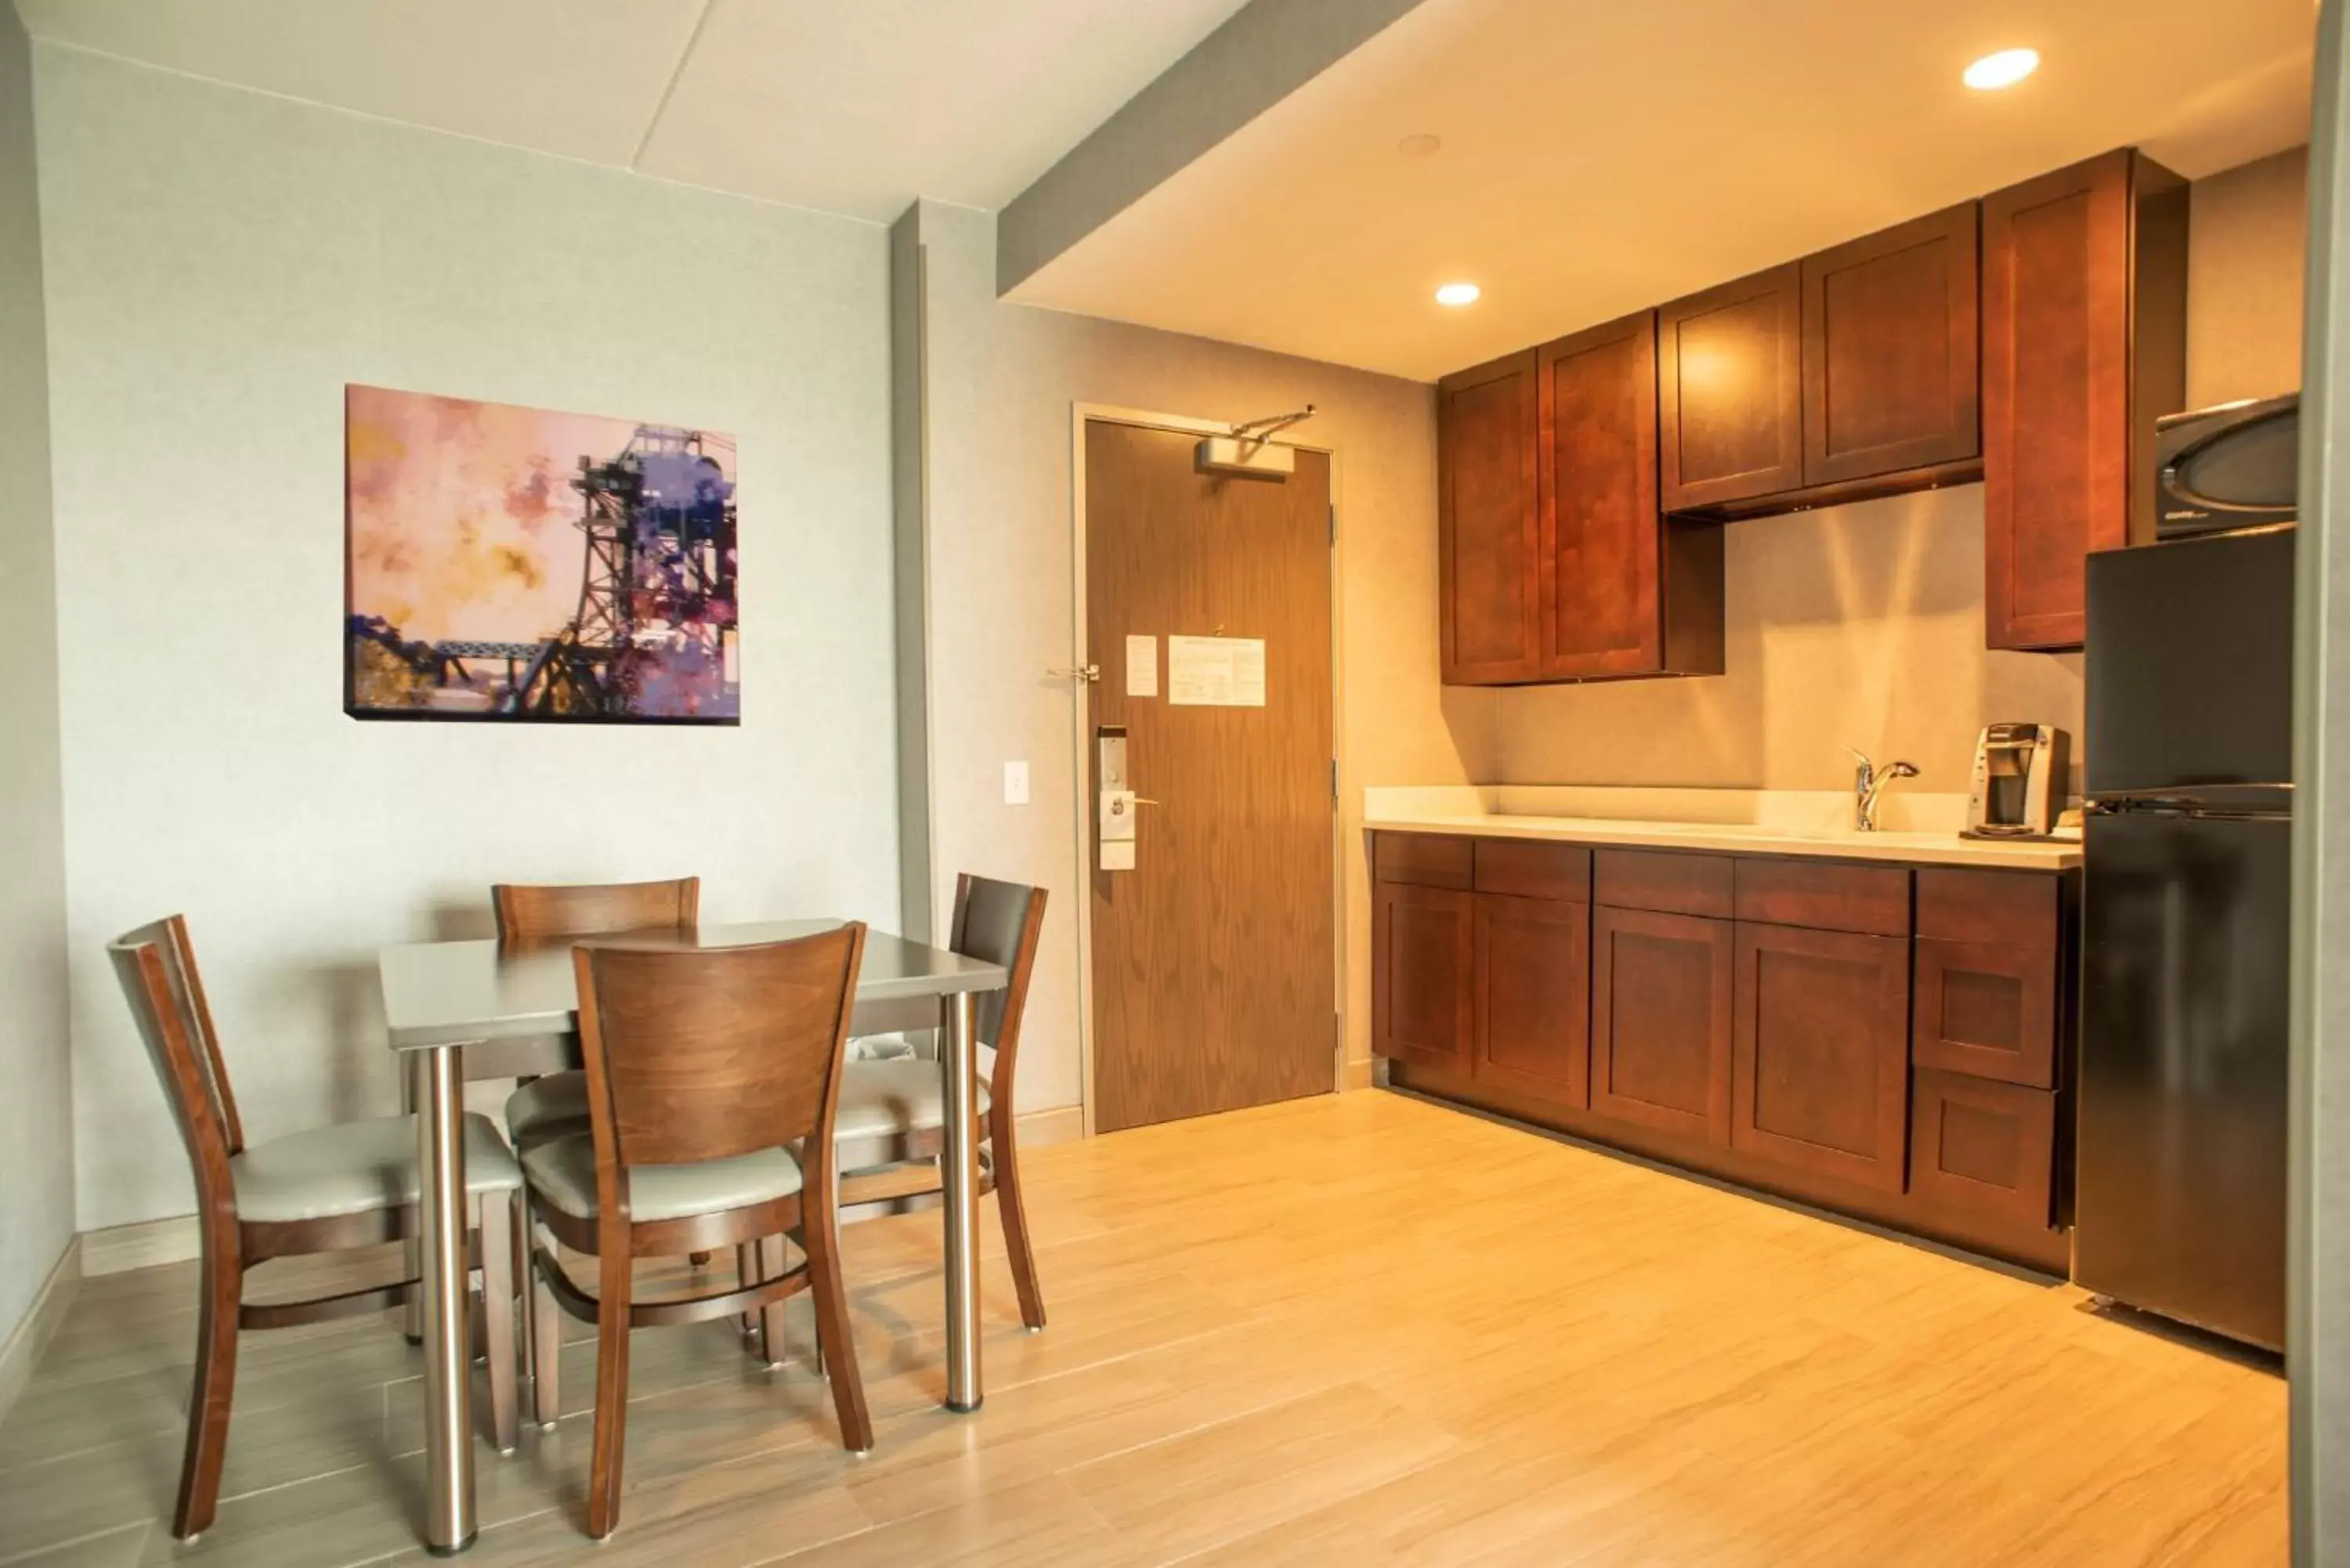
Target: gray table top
{"type": "Point", "coordinates": [448, 993]}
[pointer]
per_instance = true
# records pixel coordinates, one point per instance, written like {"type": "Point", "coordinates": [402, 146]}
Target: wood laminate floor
{"type": "Point", "coordinates": [1358, 1330]}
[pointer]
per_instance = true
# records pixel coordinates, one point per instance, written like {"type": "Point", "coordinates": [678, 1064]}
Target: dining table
{"type": "Point", "coordinates": [466, 1010]}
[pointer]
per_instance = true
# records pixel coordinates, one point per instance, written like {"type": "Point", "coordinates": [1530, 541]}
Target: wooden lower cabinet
{"type": "Point", "coordinates": [1423, 969]}
{"type": "Point", "coordinates": [1984, 1147]}
{"type": "Point", "coordinates": [1533, 1017]}
{"type": "Point", "coordinates": [1660, 1021]}
{"type": "Point", "coordinates": [1820, 1074]}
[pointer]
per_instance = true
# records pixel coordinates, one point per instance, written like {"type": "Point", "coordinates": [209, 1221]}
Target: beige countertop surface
{"type": "Point", "coordinates": [1786, 826]}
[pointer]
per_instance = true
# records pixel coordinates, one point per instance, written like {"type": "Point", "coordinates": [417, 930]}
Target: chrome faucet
{"type": "Point", "coordinates": [1868, 780]}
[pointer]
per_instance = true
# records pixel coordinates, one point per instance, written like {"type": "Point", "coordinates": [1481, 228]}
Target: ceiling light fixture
{"type": "Point", "coordinates": [1457, 295]}
{"type": "Point", "coordinates": [2004, 69]}
{"type": "Point", "coordinates": [1419, 145]}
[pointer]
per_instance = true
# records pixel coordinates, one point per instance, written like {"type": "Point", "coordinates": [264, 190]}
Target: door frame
{"type": "Point", "coordinates": [1081, 728]}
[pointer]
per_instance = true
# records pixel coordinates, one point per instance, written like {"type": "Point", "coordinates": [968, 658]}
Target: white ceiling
{"type": "Point", "coordinates": [1600, 157]}
{"type": "Point", "coordinates": [847, 106]}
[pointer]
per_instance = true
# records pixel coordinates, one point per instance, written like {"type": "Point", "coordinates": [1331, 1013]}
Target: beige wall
{"type": "Point", "coordinates": [2243, 280]}
{"type": "Point", "coordinates": [1863, 625]}
{"type": "Point", "coordinates": [1858, 626]}
{"type": "Point", "coordinates": [36, 1153]}
{"type": "Point", "coordinates": [1001, 383]}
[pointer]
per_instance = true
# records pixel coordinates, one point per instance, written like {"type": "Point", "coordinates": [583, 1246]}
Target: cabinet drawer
{"type": "Point", "coordinates": [1984, 1148]}
{"type": "Point", "coordinates": [1428, 860]}
{"type": "Point", "coordinates": [1672, 883]}
{"type": "Point", "coordinates": [2018, 907]}
{"type": "Point", "coordinates": [1532, 871]}
{"type": "Point", "coordinates": [1988, 1008]}
{"type": "Point", "coordinates": [1871, 900]}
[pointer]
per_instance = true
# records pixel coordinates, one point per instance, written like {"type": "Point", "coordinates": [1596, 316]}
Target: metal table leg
{"type": "Point", "coordinates": [441, 1240]}
{"type": "Point", "coordinates": [958, 1176]}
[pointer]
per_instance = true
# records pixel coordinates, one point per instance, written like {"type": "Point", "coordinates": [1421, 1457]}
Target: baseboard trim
{"type": "Point", "coordinates": [1358, 1075]}
{"type": "Point", "coordinates": [39, 1325]}
{"type": "Point", "coordinates": [1040, 1129]}
{"type": "Point", "coordinates": [119, 1248]}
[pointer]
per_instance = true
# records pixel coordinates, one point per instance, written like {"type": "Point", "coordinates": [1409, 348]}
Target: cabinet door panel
{"type": "Point", "coordinates": [1822, 1074]}
{"type": "Point", "coordinates": [1423, 958]}
{"type": "Point", "coordinates": [1988, 1008]}
{"type": "Point", "coordinates": [1730, 390]}
{"type": "Point", "coordinates": [1984, 1147]}
{"type": "Point", "coordinates": [1488, 522]}
{"type": "Point", "coordinates": [1534, 1010]}
{"type": "Point", "coordinates": [1602, 552]}
{"type": "Point", "coordinates": [1660, 1032]}
{"type": "Point", "coordinates": [1890, 350]}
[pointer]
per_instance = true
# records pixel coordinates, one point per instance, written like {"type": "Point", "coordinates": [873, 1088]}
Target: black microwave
{"type": "Point", "coordinates": [2220, 469]}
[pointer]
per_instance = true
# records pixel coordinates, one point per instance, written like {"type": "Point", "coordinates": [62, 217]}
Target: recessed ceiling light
{"type": "Point", "coordinates": [1458, 293]}
{"type": "Point", "coordinates": [1419, 145]}
{"type": "Point", "coordinates": [2003, 69]}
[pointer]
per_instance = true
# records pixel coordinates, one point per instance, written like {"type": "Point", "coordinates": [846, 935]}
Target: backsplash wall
{"type": "Point", "coordinates": [1863, 625]}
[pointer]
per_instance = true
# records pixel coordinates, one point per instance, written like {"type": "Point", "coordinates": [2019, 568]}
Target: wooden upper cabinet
{"type": "Point", "coordinates": [1890, 350]}
{"type": "Point", "coordinates": [1487, 525]}
{"type": "Point", "coordinates": [1730, 390]}
{"type": "Point", "coordinates": [1623, 591]}
{"type": "Point", "coordinates": [2083, 346]}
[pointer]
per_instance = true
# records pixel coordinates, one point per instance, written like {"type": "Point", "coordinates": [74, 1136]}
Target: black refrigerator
{"type": "Point", "coordinates": [2180, 1181]}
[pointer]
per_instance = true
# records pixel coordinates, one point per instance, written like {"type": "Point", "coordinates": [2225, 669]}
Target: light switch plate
{"type": "Point", "coordinates": [1016, 783]}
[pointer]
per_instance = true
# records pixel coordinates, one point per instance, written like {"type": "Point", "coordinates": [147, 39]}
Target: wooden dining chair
{"type": "Point", "coordinates": [891, 1113]}
{"type": "Point", "coordinates": [556, 1103]}
{"type": "Point", "coordinates": [328, 1190]}
{"type": "Point", "coordinates": [707, 1069]}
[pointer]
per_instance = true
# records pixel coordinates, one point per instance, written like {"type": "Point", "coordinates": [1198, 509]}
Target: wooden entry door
{"type": "Point", "coordinates": [1214, 960]}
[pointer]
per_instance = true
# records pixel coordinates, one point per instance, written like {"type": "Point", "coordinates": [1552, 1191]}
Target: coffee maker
{"type": "Point", "coordinates": [2017, 788]}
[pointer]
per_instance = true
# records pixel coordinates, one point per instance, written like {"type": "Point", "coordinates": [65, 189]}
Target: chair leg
{"type": "Point", "coordinates": [208, 1401]}
{"type": "Point", "coordinates": [611, 1393]}
{"type": "Point", "coordinates": [547, 1336]}
{"type": "Point", "coordinates": [1014, 1213]}
{"type": "Point", "coordinates": [820, 1235]}
{"type": "Point", "coordinates": [498, 1315]}
{"type": "Point", "coordinates": [747, 1269]}
{"type": "Point", "coordinates": [770, 1319]}
{"type": "Point", "coordinates": [526, 1319]}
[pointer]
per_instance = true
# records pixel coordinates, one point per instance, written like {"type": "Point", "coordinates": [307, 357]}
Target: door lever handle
{"type": "Point", "coordinates": [1087, 672]}
{"type": "Point", "coordinates": [1144, 800]}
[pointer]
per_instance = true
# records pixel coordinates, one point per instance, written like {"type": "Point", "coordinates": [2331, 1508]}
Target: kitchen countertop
{"type": "Point", "coordinates": [1472, 811]}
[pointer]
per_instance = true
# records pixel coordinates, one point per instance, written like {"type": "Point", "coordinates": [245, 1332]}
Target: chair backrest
{"type": "Point", "coordinates": [708, 1052]}
{"type": "Point", "coordinates": [1001, 923]}
{"type": "Point", "coordinates": [589, 909]}
{"type": "Point", "coordinates": [157, 968]}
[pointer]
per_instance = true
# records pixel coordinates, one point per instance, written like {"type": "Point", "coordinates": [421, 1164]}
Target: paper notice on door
{"type": "Point", "coordinates": [1216, 671]}
{"type": "Point", "coordinates": [1142, 667]}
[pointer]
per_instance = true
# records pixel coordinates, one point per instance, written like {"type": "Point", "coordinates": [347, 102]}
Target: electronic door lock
{"type": "Point", "coordinates": [1116, 804]}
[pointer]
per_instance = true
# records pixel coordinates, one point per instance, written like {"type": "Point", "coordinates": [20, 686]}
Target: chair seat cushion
{"type": "Point", "coordinates": [551, 1107]}
{"type": "Point", "coordinates": [357, 1167]}
{"type": "Point", "coordinates": [900, 1095]}
{"type": "Point", "coordinates": [562, 1175]}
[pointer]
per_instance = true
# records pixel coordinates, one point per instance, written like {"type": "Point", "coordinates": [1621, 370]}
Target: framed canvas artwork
{"type": "Point", "coordinates": [511, 564]}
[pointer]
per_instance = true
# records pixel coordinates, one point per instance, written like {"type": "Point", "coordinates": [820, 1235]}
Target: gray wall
{"type": "Point", "coordinates": [36, 1174]}
{"type": "Point", "coordinates": [220, 263]}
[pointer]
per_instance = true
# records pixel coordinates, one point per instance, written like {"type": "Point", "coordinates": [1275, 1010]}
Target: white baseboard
{"type": "Point", "coordinates": [41, 1322]}
{"type": "Point", "coordinates": [119, 1248]}
{"type": "Point", "coordinates": [1358, 1075]}
{"type": "Point", "coordinates": [1061, 1123]}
